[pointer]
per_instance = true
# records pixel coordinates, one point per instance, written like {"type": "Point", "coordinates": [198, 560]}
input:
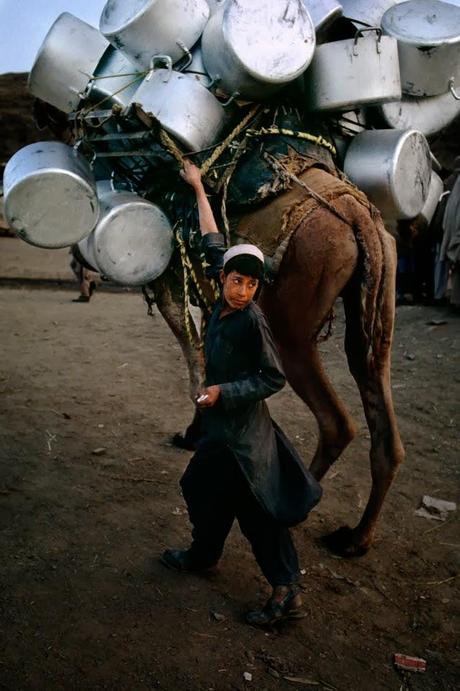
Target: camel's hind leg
{"type": "Point", "coordinates": [371, 369]}
{"type": "Point", "coordinates": [305, 373]}
{"type": "Point", "coordinates": [313, 273]}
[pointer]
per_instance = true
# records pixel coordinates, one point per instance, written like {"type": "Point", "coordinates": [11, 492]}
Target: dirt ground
{"type": "Point", "coordinates": [84, 602]}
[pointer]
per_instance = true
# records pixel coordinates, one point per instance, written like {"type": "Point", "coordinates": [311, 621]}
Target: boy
{"type": "Point", "coordinates": [244, 467]}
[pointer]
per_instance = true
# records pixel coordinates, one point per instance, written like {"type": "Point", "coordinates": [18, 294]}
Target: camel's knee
{"type": "Point", "coordinates": [338, 434]}
{"type": "Point", "coordinates": [385, 460]}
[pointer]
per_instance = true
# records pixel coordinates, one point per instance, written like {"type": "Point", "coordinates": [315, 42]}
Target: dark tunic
{"type": "Point", "coordinates": [242, 358]}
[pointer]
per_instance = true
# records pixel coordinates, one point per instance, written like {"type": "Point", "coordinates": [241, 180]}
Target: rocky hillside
{"type": "Point", "coordinates": [16, 121]}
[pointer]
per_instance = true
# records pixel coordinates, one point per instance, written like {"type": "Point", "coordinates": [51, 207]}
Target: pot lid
{"type": "Point", "coordinates": [275, 44]}
{"type": "Point", "coordinates": [423, 22]}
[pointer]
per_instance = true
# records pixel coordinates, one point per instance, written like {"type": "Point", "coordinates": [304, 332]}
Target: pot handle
{"type": "Point", "coordinates": [186, 52]}
{"type": "Point", "coordinates": [452, 89]}
{"type": "Point", "coordinates": [360, 32]}
{"type": "Point", "coordinates": [232, 98]}
{"type": "Point", "coordinates": [166, 59]}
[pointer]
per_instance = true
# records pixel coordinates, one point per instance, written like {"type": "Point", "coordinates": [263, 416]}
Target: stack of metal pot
{"type": "Point", "coordinates": [384, 74]}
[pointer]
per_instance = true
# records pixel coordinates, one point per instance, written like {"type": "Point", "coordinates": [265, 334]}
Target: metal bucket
{"type": "Point", "coordinates": [144, 28]}
{"type": "Point", "coordinates": [65, 62]}
{"type": "Point", "coordinates": [393, 168]}
{"type": "Point", "coordinates": [50, 195]}
{"type": "Point", "coordinates": [133, 239]}
{"type": "Point", "coordinates": [254, 49]}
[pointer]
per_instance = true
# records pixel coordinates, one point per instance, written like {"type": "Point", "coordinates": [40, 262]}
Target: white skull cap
{"type": "Point", "coordinates": [237, 250]}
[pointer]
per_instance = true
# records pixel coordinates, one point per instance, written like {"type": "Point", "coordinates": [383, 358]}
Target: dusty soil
{"type": "Point", "coordinates": [84, 602]}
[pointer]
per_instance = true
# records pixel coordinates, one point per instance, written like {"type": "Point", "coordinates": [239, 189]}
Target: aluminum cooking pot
{"type": "Point", "coordinates": [323, 12]}
{"type": "Point", "coordinates": [144, 28]}
{"type": "Point", "coordinates": [393, 168]}
{"type": "Point", "coordinates": [254, 48]}
{"type": "Point", "coordinates": [65, 62]}
{"type": "Point", "coordinates": [50, 195]}
{"type": "Point", "coordinates": [115, 80]}
{"type": "Point", "coordinates": [428, 34]}
{"type": "Point", "coordinates": [183, 106]}
{"type": "Point", "coordinates": [87, 251]}
{"type": "Point", "coordinates": [133, 239]}
{"type": "Point", "coordinates": [346, 74]}
{"type": "Point", "coordinates": [428, 115]}
{"type": "Point", "coordinates": [435, 191]}
{"type": "Point", "coordinates": [366, 11]}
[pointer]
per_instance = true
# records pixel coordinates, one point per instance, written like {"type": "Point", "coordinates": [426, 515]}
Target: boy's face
{"type": "Point", "coordinates": [238, 290]}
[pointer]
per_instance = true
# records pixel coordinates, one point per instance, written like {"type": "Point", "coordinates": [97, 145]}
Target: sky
{"type": "Point", "coordinates": [25, 23]}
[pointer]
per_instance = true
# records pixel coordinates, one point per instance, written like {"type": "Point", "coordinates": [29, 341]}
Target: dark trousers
{"type": "Point", "coordinates": [216, 492]}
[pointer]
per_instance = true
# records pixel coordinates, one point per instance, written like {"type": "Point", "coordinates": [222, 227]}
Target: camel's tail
{"type": "Point", "coordinates": [375, 276]}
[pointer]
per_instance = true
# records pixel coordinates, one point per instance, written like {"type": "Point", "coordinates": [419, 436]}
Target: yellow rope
{"type": "Point", "coordinates": [316, 139]}
{"type": "Point", "coordinates": [85, 111]}
{"type": "Point", "coordinates": [218, 151]}
{"type": "Point", "coordinates": [171, 146]}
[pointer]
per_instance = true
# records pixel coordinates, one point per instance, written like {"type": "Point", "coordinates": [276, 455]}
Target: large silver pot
{"type": "Point", "coordinates": [428, 34]}
{"type": "Point", "coordinates": [133, 239]}
{"type": "Point", "coordinates": [428, 115]}
{"type": "Point", "coordinates": [366, 11]}
{"type": "Point", "coordinates": [50, 195]}
{"type": "Point", "coordinates": [144, 28]}
{"type": "Point", "coordinates": [183, 106]}
{"type": "Point", "coordinates": [115, 81]}
{"type": "Point", "coordinates": [88, 251]}
{"type": "Point", "coordinates": [65, 62]}
{"type": "Point", "coordinates": [323, 12]}
{"type": "Point", "coordinates": [435, 191]}
{"type": "Point", "coordinates": [254, 48]}
{"type": "Point", "coordinates": [393, 168]}
{"type": "Point", "coordinates": [347, 74]}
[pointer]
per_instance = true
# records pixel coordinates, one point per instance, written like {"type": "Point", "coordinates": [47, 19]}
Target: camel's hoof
{"type": "Point", "coordinates": [182, 442]}
{"type": "Point", "coordinates": [343, 543]}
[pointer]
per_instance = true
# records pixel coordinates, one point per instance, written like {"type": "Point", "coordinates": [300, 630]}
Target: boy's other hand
{"type": "Point", "coordinates": [208, 396]}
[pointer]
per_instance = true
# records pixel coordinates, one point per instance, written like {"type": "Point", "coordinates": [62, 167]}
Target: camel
{"type": "Point", "coordinates": [334, 250]}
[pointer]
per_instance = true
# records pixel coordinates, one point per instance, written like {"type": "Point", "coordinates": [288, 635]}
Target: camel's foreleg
{"type": "Point", "coordinates": [171, 306]}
